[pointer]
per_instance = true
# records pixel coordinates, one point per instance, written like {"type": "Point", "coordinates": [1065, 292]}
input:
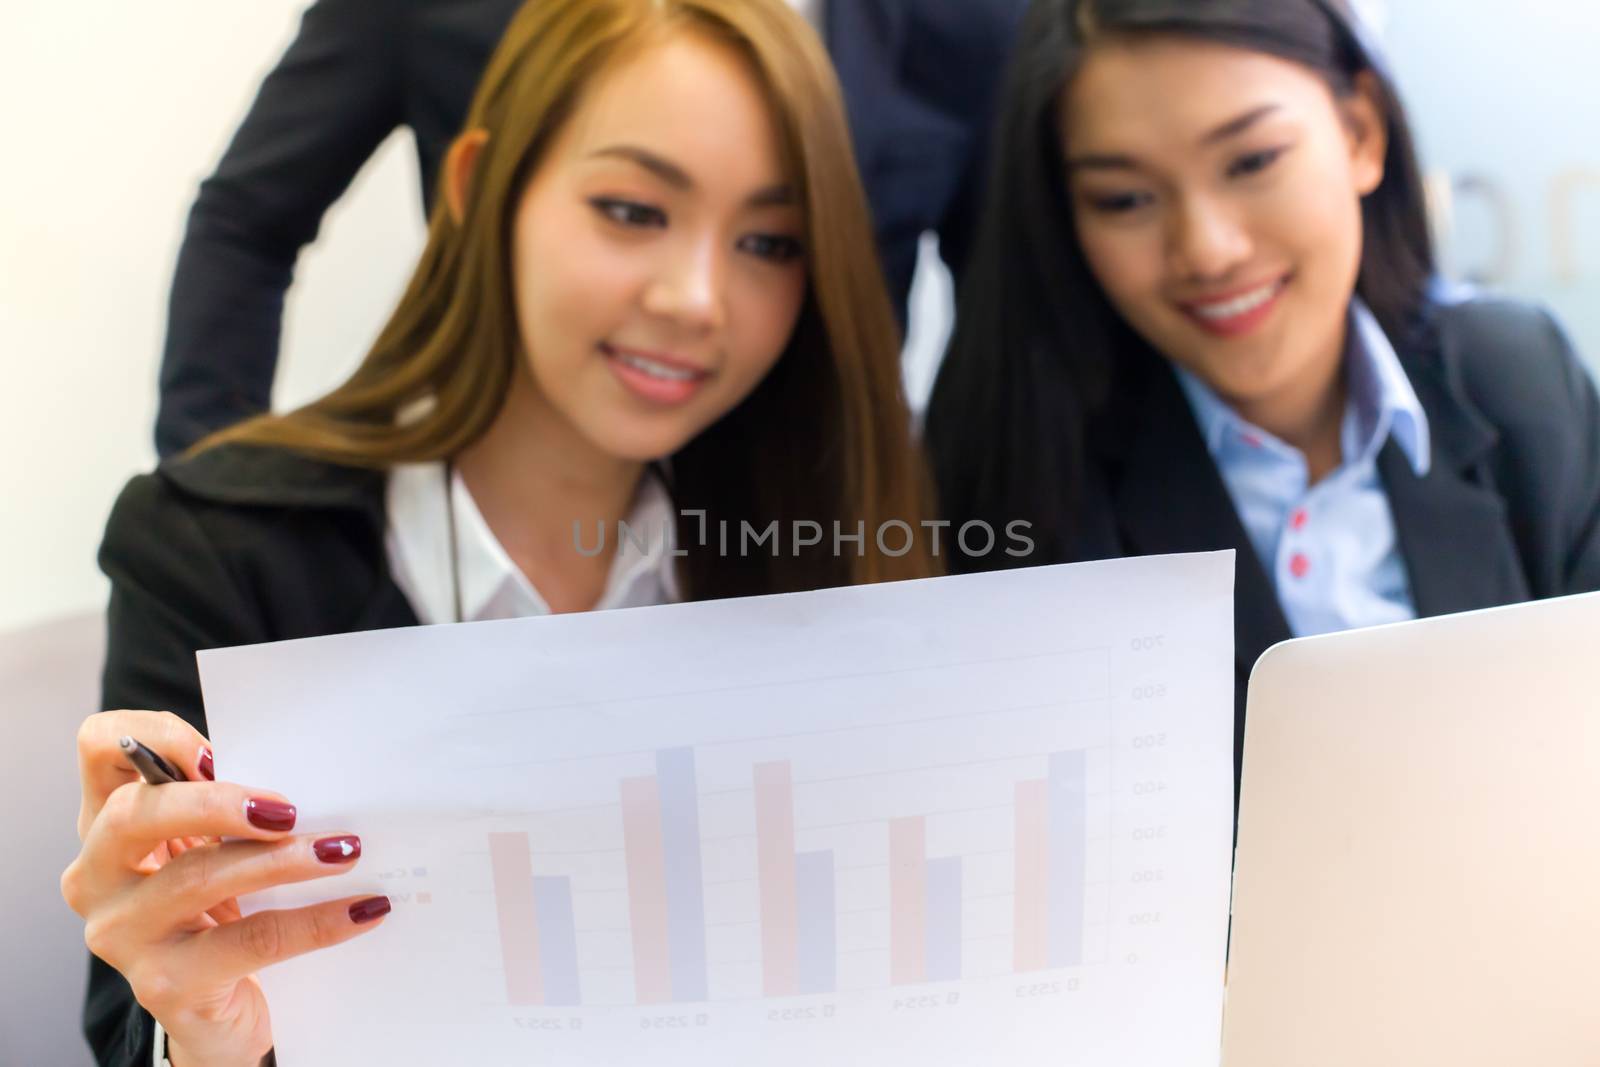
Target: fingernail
{"type": "Point", "coordinates": [207, 767]}
{"type": "Point", "coordinates": [344, 849]}
{"type": "Point", "coordinates": [364, 911]}
{"type": "Point", "coordinates": [269, 814]}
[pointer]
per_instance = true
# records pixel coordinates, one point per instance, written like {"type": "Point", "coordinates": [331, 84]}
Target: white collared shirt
{"type": "Point", "coordinates": [492, 586]}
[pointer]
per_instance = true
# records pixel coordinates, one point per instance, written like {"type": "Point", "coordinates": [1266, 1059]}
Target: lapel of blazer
{"type": "Point", "coordinates": [1169, 498]}
{"type": "Point", "coordinates": [388, 608]}
{"type": "Point", "coordinates": [863, 37]}
{"type": "Point", "coordinates": [1451, 526]}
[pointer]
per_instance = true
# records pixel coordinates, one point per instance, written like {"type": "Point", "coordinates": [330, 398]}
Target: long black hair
{"type": "Point", "coordinates": [1038, 350]}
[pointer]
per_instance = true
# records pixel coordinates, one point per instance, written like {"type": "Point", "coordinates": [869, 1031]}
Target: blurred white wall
{"type": "Point", "coordinates": [1506, 101]}
{"type": "Point", "coordinates": [114, 111]}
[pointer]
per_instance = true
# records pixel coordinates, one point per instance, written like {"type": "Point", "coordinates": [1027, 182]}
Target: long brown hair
{"type": "Point", "coordinates": [824, 438]}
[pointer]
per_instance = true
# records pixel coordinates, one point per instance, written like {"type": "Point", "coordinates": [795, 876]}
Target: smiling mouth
{"type": "Point", "coordinates": [654, 377]}
{"type": "Point", "coordinates": [668, 370]}
{"type": "Point", "coordinates": [1239, 313]}
{"type": "Point", "coordinates": [654, 369]}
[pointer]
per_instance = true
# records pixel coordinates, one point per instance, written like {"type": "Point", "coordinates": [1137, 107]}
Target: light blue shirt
{"type": "Point", "coordinates": [1329, 548]}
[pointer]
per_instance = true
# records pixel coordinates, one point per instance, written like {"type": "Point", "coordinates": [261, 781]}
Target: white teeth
{"type": "Point", "coordinates": [1239, 305]}
{"type": "Point", "coordinates": [654, 369]}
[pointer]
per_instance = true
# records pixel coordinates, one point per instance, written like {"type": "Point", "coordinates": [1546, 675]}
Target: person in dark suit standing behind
{"type": "Point", "coordinates": [919, 78]}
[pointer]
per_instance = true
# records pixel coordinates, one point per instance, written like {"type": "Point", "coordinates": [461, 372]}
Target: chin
{"type": "Point", "coordinates": [642, 447]}
{"type": "Point", "coordinates": [1247, 366]}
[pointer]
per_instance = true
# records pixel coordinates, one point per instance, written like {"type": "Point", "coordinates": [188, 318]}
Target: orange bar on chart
{"type": "Point", "coordinates": [512, 862]}
{"type": "Point", "coordinates": [908, 900]}
{"type": "Point", "coordinates": [1031, 940]}
{"type": "Point", "coordinates": [647, 889]}
{"type": "Point", "coordinates": [780, 908]}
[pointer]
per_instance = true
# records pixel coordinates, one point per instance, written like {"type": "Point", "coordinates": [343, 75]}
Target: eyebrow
{"type": "Point", "coordinates": [780, 195]}
{"type": "Point", "coordinates": [1232, 128]}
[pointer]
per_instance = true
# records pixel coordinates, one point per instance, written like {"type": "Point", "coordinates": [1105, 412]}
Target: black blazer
{"type": "Point", "coordinates": [1509, 510]}
{"type": "Point", "coordinates": [919, 77]}
{"type": "Point", "coordinates": [236, 546]}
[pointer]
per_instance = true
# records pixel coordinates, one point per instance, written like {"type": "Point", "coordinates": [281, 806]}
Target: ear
{"type": "Point", "coordinates": [1367, 132]}
{"type": "Point", "coordinates": [460, 163]}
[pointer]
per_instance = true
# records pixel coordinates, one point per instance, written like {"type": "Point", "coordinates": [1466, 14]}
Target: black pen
{"type": "Point", "coordinates": [151, 767]}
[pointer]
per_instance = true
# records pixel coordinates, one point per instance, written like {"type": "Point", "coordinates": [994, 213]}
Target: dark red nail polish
{"type": "Point", "coordinates": [364, 911]}
{"type": "Point", "coordinates": [207, 767]}
{"type": "Point", "coordinates": [269, 814]}
{"type": "Point", "coordinates": [345, 849]}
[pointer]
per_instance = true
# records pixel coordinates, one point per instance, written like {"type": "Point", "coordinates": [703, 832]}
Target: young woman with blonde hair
{"type": "Point", "coordinates": [649, 293]}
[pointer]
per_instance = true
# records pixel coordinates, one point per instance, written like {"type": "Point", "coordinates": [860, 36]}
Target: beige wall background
{"type": "Point", "coordinates": [114, 112]}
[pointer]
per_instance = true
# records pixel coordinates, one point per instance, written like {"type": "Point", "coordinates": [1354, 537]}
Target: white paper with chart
{"type": "Point", "coordinates": [981, 819]}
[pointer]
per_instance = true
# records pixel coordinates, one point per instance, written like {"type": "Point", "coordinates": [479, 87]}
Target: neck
{"type": "Point", "coordinates": [1307, 414]}
{"type": "Point", "coordinates": [533, 476]}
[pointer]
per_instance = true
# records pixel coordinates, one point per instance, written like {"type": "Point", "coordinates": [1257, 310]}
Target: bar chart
{"type": "Point", "coordinates": [1006, 886]}
{"type": "Point", "coordinates": [865, 826]}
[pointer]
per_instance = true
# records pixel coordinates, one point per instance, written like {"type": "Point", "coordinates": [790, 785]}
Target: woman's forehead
{"type": "Point", "coordinates": [658, 98]}
{"type": "Point", "coordinates": [1175, 90]}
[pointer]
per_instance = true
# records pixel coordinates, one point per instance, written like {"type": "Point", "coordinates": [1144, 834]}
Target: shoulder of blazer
{"type": "Point", "coordinates": [1513, 412]}
{"type": "Point", "coordinates": [1509, 361]}
{"type": "Point", "coordinates": [266, 477]}
{"type": "Point", "coordinates": [268, 512]}
{"type": "Point", "coordinates": [301, 540]}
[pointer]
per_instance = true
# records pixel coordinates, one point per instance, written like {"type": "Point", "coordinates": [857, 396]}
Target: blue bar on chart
{"type": "Point", "coordinates": [538, 938]}
{"type": "Point", "coordinates": [818, 940]}
{"type": "Point", "coordinates": [680, 839]}
{"type": "Point", "coordinates": [1068, 856]}
{"type": "Point", "coordinates": [558, 943]}
{"type": "Point", "coordinates": [944, 919]}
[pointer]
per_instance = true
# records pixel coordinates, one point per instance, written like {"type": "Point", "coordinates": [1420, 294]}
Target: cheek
{"type": "Point", "coordinates": [571, 286]}
{"type": "Point", "coordinates": [1316, 217]}
{"type": "Point", "coordinates": [762, 314]}
{"type": "Point", "coordinates": [1126, 261]}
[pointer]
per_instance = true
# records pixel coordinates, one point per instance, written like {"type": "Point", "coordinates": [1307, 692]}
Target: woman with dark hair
{"type": "Point", "coordinates": [649, 293]}
{"type": "Point", "coordinates": [1203, 316]}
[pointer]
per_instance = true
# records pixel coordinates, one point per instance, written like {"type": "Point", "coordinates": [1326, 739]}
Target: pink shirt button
{"type": "Point", "coordinates": [1299, 565]}
{"type": "Point", "coordinates": [1252, 440]}
{"type": "Point", "coordinates": [1298, 520]}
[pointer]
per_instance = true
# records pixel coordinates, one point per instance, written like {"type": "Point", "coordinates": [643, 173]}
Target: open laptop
{"type": "Point", "coordinates": [1417, 878]}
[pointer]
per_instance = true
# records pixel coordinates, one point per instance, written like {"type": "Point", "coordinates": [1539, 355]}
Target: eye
{"type": "Point", "coordinates": [773, 247]}
{"type": "Point", "coordinates": [1254, 163]}
{"type": "Point", "coordinates": [1118, 203]}
{"type": "Point", "coordinates": [628, 212]}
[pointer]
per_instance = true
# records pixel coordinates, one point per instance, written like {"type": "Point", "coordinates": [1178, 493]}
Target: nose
{"type": "Point", "coordinates": [689, 289]}
{"type": "Point", "coordinates": [1206, 240]}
